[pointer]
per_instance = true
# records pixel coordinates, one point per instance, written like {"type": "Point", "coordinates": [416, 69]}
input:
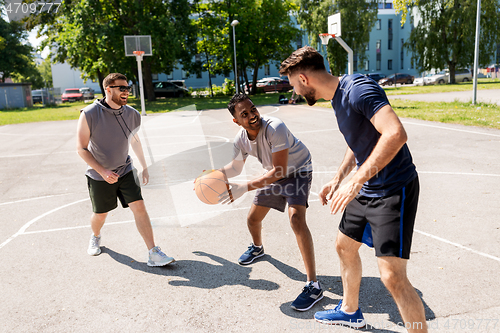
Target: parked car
{"type": "Point", "coordinates": [87, 92]}
{"type": "Point", "coordinates": [43, 96]}
{"type": "Point", "coordinates": [375, 76]}
{"type": "Point", "coordinates": [421, 81]}
{"type": "Point", "coordinates": [72, 95]}
{"type": "Point", "coordinates": [463, 75]}
{"type": "Point", "coordinates": [398, 78]}
{"type": "Point", "coordinates": [280, 85]}
{"type": "Point", "coordinates": [262, 82]}
{"type": "Point", "coordinates": [169, 89]}
{"type": "Point", "coordinates": [36, 96]}
{"type": "Point", "coordinates": [180, 83]}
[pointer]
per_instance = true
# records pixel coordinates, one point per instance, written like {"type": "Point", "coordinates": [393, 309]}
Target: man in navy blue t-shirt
{"type": "Point", "coordinates": [382, 193]}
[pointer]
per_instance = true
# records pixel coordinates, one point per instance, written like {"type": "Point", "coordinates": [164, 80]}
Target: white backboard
{"type": "Point", "coordinates": [138, 43]}
{"type": "Point", "coordinates": [334, 25]}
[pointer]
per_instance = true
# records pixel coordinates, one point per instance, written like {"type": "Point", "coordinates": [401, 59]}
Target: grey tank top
{"type": "Point", "coordinates": [111, 132]}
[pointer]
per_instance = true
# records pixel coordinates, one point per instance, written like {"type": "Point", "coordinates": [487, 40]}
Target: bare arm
{"type": "Point", "coordinates": [279, 170]}
{"type": "Point", "coordinates": [137, 148]}
{"type": "Point", "coordinates": [393, 137]}
{"type": "Point", "coordinates": [82, 143]}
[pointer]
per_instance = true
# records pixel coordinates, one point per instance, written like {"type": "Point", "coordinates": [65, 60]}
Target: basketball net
{"type": "Point", "coordinates": [139, 55]}
{"type": "Point", "coordinates": [325, 38]}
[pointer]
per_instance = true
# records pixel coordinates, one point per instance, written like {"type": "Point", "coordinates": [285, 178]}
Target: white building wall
{"type": "Point", "coordinates": [63, 76]}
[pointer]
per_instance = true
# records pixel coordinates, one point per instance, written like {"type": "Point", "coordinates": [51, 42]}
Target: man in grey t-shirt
{"type": "Point", "coordinates": [106, 128]}
{"type": "Point", "coordinates": [287, 179]}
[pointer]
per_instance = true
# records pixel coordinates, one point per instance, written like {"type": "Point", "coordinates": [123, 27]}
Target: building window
{"type": "Point", "coordinates": [154, 77]}
{"type": "Point", "coordinates": [378, 24]}
{"type": "Point", "coordinates": [355, 62]}
{"type": "Point", "coordinates": [389, 64]}
{"type": "Point", "coordinates": [227, 73]}
{"type": "Point", "coordinates": [198, 75]}
{"type": "Point", "coordinates": [388, 5]}
{"type": "Point", "coordinates": [184, 74]}
{"type": "Point", "coordinates": [367, 65]}
{"type": "Point", "coordinates": [389, 35]}
{"type": "Point", "coordinates": [170, 76]}
{"type": "Point", "coordinates": [402, 53]}
{"type": "Point", "coordinates": [367, 46]}
{"type": "Point", "coordinates": [379, 54]}
{"type": "Point", "coordinates": [197, 58]}
{"type": "Point", "coordinates": [299, 43]}
{"type": "Point", "coordinates": [267, 70]}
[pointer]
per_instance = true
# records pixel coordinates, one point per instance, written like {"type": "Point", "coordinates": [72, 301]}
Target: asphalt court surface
{"type": "Point", "coordinates": [48, 282]}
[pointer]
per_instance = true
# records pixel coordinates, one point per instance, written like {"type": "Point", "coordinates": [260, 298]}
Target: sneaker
{"type": "Point", "coordinates": [339, 317]}
{"type": "Point", "coordinates": [251, 254]}
{"type": "Point", "coordinates": [94, 246]}
{"type": "Point", "coordinates": [158, 258]}
{"type": "Point", "coordinates": [309, 296]}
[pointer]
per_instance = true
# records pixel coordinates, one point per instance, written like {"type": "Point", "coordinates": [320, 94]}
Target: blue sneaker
{"type": "Point", "coordinates": [307, 298]}
{"type": "Point", "coordinates": [339, 317]}
{"type": "Point", "coordinates": [251, 254]}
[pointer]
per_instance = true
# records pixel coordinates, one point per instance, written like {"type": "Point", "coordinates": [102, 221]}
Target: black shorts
{"type": "Point", "coordinates": [391, 219]}
{"type": "Point", "coordinates": [103, 195]}
{"type": "Point", "coordinates": [293, 190]}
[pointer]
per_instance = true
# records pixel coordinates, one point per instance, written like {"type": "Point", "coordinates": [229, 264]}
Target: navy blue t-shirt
{"type": "Point", "coordinates": [356, 100]}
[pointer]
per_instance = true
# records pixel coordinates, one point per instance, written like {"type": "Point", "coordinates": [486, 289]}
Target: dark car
{"type": "Point", "coordinates": [375, 76]}
{"type": "Point", "coordinates": [169, 89]}
{"type": "Point", "coordinates": [400, 78]}
{"type": "Point", "coordinates": [276, 85]}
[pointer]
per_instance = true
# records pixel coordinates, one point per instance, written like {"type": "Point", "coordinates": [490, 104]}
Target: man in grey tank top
{"type": "Point", "coordinates": [105, 130]}
{"type": "Point", "coordinates": [287, 180]}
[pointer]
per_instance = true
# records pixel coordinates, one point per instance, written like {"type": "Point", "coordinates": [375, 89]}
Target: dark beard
{"type": "Point", "coordinates": [118, 100]}
{"type": "Point", "coordinates": [309, 96]}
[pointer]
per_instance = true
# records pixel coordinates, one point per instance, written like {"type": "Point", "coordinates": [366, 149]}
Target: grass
{"type": "Point", "coordinates": [483, 115]}
{"type": "Point", "coordinates": [68, 111]}
{"type": "Point", "coordinates": [462, 86]}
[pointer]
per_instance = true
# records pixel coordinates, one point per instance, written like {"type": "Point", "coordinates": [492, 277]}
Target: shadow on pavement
{"type": "Point", "coordinates": [199, 274]}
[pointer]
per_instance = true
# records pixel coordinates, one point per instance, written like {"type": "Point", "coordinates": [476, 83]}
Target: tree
{"type": "Point", "coordinates": [30, 74]}
{"type": "Point", "coordinates": [403, 6]}
{"type": "Point", "coordinates": [358, 19]}
{"type": "Point", "coordinates": [45, 70]}
{"type": "Point", "coordinates": [16, 54]}
{"type": "Point", "coordinates": [445, 34]}
{"type": "Point", "coordinates": [88, 34]}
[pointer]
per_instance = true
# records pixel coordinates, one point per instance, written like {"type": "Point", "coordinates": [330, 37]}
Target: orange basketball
{"type": "Point", "coordinates": [209, 185]}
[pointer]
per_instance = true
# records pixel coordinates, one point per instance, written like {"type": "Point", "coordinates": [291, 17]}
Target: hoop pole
{"type": "Point", "coordinates": [350, 55]}
{"type": "Point", "coordinates": [141, 87]}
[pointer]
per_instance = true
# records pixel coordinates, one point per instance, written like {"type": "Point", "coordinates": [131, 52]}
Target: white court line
{"type": "Point", "coordinates": [449, 128]}
{"type": "Point", "coordinates": [30, 199]}
{"type": "Point", "coordinates": [458, 245]}
{"type": "Point", "coordinates": [27, 225]}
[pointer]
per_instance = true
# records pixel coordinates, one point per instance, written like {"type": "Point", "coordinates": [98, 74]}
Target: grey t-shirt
{"type": "Point", "coordinates": [110, 134]}
{"type": "Point", "coordinates": [273, 136]}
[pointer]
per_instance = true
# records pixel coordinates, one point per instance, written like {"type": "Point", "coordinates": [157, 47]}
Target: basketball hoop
{"type": "Point", "coordinates": [139, 54]}
{"type": "Point", "coordinates": [325, 38]}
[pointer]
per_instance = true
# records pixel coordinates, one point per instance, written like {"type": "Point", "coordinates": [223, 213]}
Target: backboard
{"type": "Point", "coordinates": [138, 43]}
{"type": "Point", "coordinates": [334, 25]}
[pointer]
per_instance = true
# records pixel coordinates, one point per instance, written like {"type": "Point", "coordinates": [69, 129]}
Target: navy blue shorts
{"type": "Point", "coordinates": [391, 219]}
{"type": "Point", "coordinates": [293, 190]}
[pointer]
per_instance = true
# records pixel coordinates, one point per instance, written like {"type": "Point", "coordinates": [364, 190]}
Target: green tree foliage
{"type": "Point", "coordinates": [88, 34]}
{"type": "Point", "coordinates": [357, 18]}
{"type": "Point", "coordinates": [45, 70]}
{"type": "Point", "coordinates": [30, 74]}
{"type": "Point", "coordinates": [265, 33]}
{"type": "Point", "coordinates": [16, 57]}
{"type": "Point", "coordinates": [444, 36]}
{"type": "Point", "coordinates": [403, 6]}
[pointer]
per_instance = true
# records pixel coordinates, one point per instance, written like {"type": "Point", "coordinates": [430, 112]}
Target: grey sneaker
{"type": "Point", "coordinates": [158, 258]}
{"type": "Point", "coordinates": [94, 246]}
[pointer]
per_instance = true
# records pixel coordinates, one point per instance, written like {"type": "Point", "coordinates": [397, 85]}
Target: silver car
{"type": "Point", "coordinates": [87, 92]}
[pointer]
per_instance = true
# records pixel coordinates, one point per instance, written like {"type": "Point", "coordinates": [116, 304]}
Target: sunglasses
{"type": "Point", "coordinates": [123, 88]}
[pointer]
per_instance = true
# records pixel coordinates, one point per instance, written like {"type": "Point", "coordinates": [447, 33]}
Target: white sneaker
{"type": "Point", "coordinates": [158, 258]}
{"type": "Point", "coordinates": [94, 246]}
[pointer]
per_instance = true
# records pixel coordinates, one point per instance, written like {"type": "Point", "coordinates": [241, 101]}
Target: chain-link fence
{"type": "Point", "coordinates": [46, 96]}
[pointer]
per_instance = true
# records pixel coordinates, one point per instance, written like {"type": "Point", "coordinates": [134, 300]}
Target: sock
{"type": "Point", "coordinates": [259, 247]}
{"type": "Point", "coordinates": [349, 313]}
{"type": "Point", "coordinates": [315, 284]}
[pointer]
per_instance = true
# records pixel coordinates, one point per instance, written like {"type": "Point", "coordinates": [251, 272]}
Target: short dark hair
{"type": "Point", "coordinates": [305, 58]}
{"type": "Point", "coordinates": [237, 98]}
{"type": "Point", "coordinates": [111, 78]}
